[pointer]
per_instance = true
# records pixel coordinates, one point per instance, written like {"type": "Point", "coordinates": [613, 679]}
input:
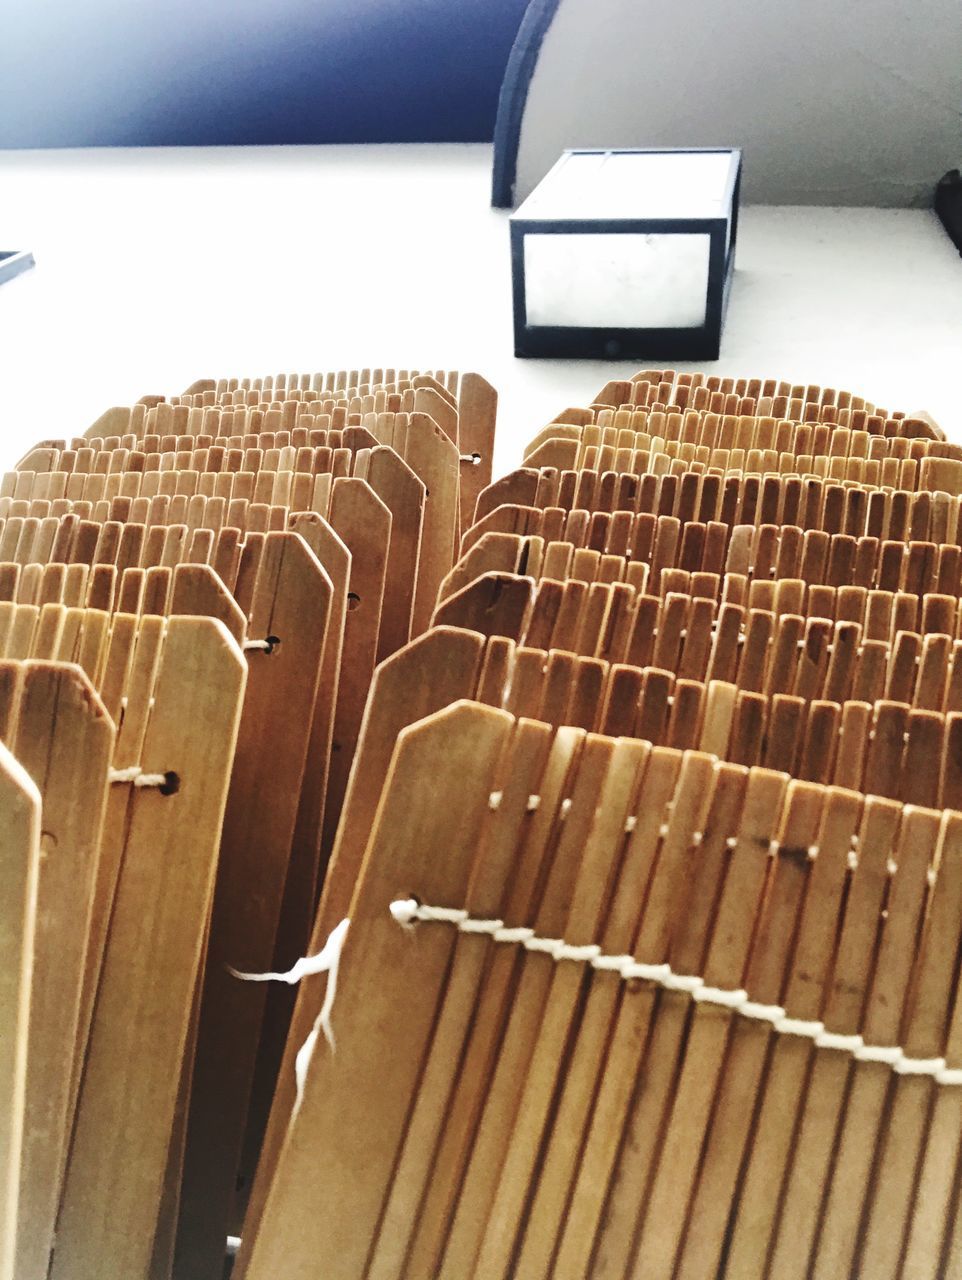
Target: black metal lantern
{"type": "Point", "coordinates": [626, 254]}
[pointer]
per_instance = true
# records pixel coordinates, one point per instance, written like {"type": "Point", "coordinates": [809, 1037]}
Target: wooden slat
{"type": "Point", "coordinates": [158, 923]}
{"type": "Point", "coordinates": [19, 867]}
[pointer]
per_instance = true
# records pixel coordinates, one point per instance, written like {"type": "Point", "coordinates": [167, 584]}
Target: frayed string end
{"type": "Point", "coordinates": [327, 961]}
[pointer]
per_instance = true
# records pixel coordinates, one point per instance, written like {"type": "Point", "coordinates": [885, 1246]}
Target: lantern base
{"type": "Point", "coordinates": [617, 344]}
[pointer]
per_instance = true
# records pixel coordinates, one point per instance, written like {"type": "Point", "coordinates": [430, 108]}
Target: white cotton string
{"type": "Point", "coordinates": [133, 773]}
{"type": "Point", "coordinates": [772, 1013]}
{"type": "Point", "coordinates": [480, 926]}
{"type": "Point", "coordinates": [611, 964]}
{"type": "Point", "coordinates": [125, 775]}
{"type": "Point", "coordinates": [580, 955]}
{"type": "Point", "coordinates": [518, 934]}
{"type": "Point", "coordinates": [253, 645]}
{"type": "Point", "coordinates": [408, 911]}
{"type": "Point", "coordinates": [404, 911]}
{"type": "Point", "coordinates": [721, 996]}
{"type": "Point", "coordinates": [834, 1040]}
{"type": "Point", "coordinates": [888, 1054]}
{"type": "Point", "coordinates": [919, 1066]}
{"type": "Point", "coordinates": [687, 982]}
{"type": "Point", "coordinates": [327, 961]}
{"type": "Point", "coordinates": [806, 1028]}
{"type": "Point", "coordinates": [646, 972]}
{"type": "Point", "coordinates": [546, 946]}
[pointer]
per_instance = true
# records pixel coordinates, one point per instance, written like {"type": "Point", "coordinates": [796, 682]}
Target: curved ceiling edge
{"type": "Point", "coordinates": [514, 95]}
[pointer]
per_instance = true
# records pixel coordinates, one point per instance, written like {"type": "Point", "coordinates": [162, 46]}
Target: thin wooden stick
{"type": "Point", "coordinates": [835, 1248]}
{"type": "Point", "coordinates": [500, 875]}
{"type": "Point", "coordinates": [934, 1215]}
{"type": "Point", "coordinates": [457, 749]}
{"type": "Point", "coordinates": [887, 1208]}
{"type": "Point", "coordinates": [590, 904]}
{"type": "Point", "coordinates": [291, 603]}
{"type": "Point", "coordinates": [825, 1107]}
{"type": "Point", "coordinates": [125, 1110]}
{"type": "Point", "coordinates": [19, 866]}
{"type": "Point", "coordinates": [64, 739]}
{"type": "Point", "coordinates": [642, 1147]}
{"type": "Point", "coordinates": [662, 934]}
{"type": "Point", "coordinates": [416, 678]}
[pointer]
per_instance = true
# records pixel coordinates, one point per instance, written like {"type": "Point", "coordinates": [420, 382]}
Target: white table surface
{"type": "Point", "coordinates": [155, 267]}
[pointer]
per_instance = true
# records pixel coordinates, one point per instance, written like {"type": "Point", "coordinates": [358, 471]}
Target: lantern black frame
{"type": "Point", "coordinates": [701, 342]}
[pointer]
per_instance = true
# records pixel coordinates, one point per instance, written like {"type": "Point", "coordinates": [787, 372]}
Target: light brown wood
{"type": "Point", "coordinates": [701, 1101]}
{"type": "Point", "coordinates": [473, 1124]}
{"type": "Point", "coordinates": [64, 740]}
{"type": "Point", "coordinates": [641, 1148]}
{"type": "Point", "coordinates": [659, 936]}
{"type": "Point", "coordinates": [769, 1152]}
{"type": "Point", "coordinates": [455, 749]}
{"type": "Point", "coordinates": [127, 1099]}
{"type": "Point", "coordinates": [434, 671]}
{"type": "Point", "coordinates": [901, 1140]}
{"type": "Point", "coordinates": [477, 411]}
{"type": "Point", "coordinates": [135, 658]}
{"type": "Point", "coordinates": [606, 843]}
{"type": "Point", "coordinates": [19, 866]}
{"type": "Point", "coordinates": [934, 1211]}
{"type": "Point", "coordinates": [823, 1107]}
{"type": "Point", "coordinates": [856, 1138]}
{"type": "Point", "coordinates": [499, 876]}
{"type": "Point", "coordinates": [701, 607]}
{"type": "Point", "coordinates": [614, 438]}
{"type": "Point", "coordinates": [665, 388]}
{"type": "Point", "coordinates": [604, 997]}
{"type": "Point", "coordinates": [290, 602]}
{"type": "Point", "coordinates": [306, 870]}
{"type": "Point", "coordinates": [403, 493]}
{"type": "Point", "coordinates": [655, 548]}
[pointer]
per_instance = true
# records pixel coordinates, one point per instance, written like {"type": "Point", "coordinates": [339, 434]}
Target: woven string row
{"type": "Point", "coordinates": [408, 911]}
{"type": "Point", "coordinates": [133, 773]}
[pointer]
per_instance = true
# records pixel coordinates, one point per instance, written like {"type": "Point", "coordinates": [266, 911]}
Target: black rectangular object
{"type": "Point", "coordinates": [619, 342]}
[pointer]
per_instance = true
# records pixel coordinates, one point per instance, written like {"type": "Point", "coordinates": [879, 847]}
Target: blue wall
{"type": "Point", "coordinates": [208, 72]}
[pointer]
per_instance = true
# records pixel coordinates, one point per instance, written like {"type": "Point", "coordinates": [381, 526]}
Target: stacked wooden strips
{"type": "Point", "coordinates": [131, 825]}
{"type": "Point", "coordinates": [668, 389]}
{"type": "Point", "coordinates": [19, 868]}
{"type": "Point", "coordinates": [56, 723]}
{"type": "Point", "coordinates": [701, 722]}
{"type": "Point", "coordinates": [462, 405]}
{"type": "Point", "coordinates": [504, 1150]}
{"type": "Point", "coordinates": [617, 620]}
{"type": "Point", "coordinates": [316, 528]}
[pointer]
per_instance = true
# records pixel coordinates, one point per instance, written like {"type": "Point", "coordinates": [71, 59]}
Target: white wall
{"type": "Point", "coordinates": [835, 102]}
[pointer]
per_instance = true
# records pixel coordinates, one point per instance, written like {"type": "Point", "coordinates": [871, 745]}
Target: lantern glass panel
{"type": "Point", "coordinates": [622, 280]}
